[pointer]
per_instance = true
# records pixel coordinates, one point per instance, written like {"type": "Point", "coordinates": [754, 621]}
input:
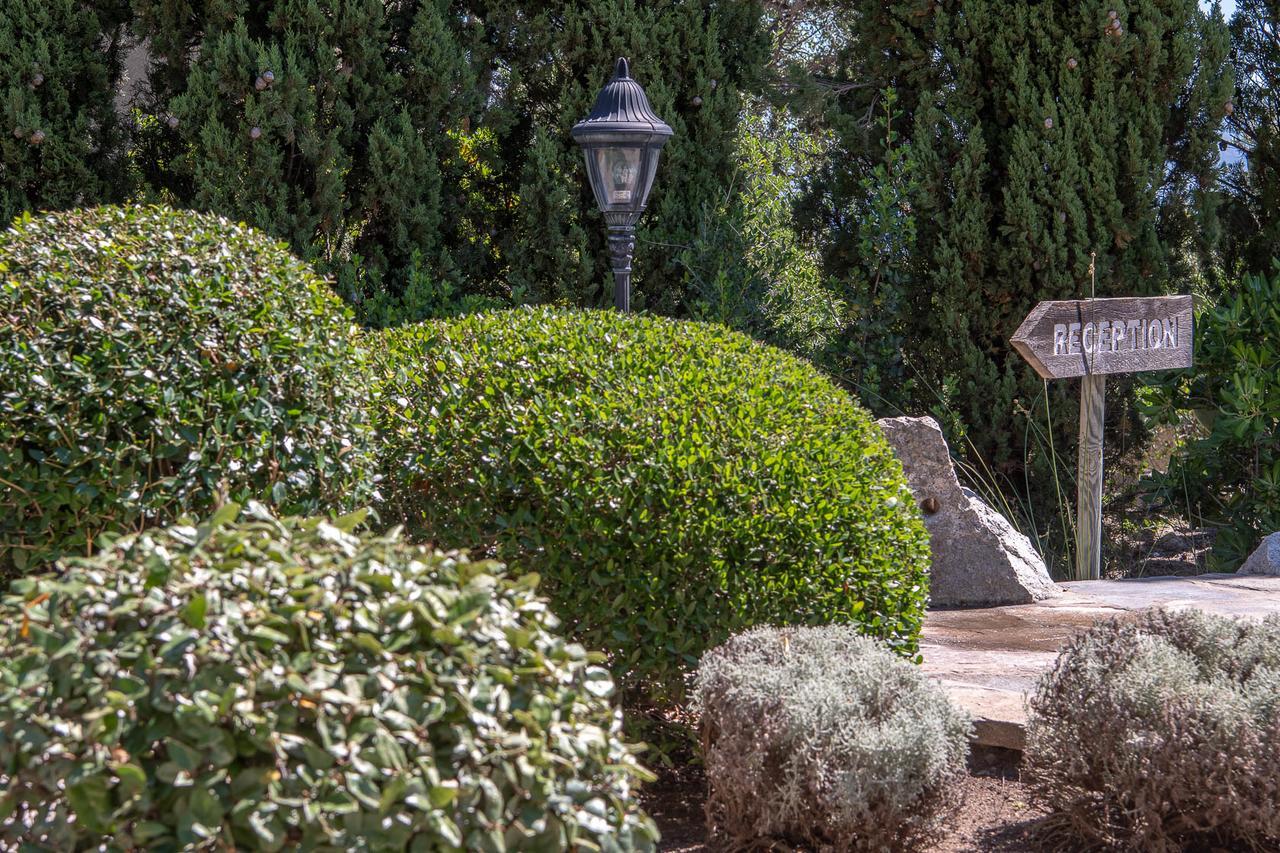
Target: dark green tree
{"type": "Point", "coordinates": [336, 126]}
{"type": "Point", "coordinates": [695, 58]}
{"type": "Point", "coordinates": [1043, 134]}
{"type": "Point", "coordinates": [1252, 139]}
{"type": "Point", "coordinates": [419, 150]}
{"type": "Point", "coordinates": [61, 142]}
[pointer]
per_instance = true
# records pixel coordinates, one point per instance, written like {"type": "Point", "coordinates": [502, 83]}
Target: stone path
{"type": "Point", "coordinates": [990, 658]}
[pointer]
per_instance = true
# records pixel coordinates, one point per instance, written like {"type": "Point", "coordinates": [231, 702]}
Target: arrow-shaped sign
{"type": "Point", "coordinates": [1092, 337]}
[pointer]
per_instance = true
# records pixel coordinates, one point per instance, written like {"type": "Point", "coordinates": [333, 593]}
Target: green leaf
{"type": "Point", "coordinates": [206, 809]}
{"type": "Point", "coordinates": [182, 755]}
{"type": "Point", "coordinates": [352, 520]}
{"type": "Point", "coordinates": [90, 800]}
{"type": "Point", "coordinates": [224, 514]}
{"type": "Point", "coordinates": [193, 614]}
{"type": "Point", "coordinates": [132, 779]}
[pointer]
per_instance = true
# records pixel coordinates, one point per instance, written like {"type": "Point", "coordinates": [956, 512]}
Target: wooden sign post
{"type": "Point", "coordinates": [1090, 338]}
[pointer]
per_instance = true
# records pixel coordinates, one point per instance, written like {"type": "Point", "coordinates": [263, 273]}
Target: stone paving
{"type": "Point", "coordinates": [990, 658]}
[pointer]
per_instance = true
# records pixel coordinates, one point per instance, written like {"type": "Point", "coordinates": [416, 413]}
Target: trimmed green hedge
{"type": "Point", "coordinates": [153, 363]}
{"type": "Point", "coordinates": [269, 685]}
{"type": "Point", "coordinates": [672, 482]}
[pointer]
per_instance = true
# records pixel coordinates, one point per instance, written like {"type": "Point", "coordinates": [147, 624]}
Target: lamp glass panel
{"type": "Point", "coordinates": [621, 173]}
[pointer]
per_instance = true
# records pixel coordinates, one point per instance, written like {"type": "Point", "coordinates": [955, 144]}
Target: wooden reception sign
{"type": "Point", "coordinates": [1090, 338]}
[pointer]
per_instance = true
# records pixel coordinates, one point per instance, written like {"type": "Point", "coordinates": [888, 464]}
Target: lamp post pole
{"type": "Point", "coordinates": [622, 247]}
{"type": "Point", "coordinates": [621, 140]}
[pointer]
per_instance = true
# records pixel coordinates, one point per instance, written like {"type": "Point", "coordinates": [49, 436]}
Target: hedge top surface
{"type": "Point", "coordinates": [672, 482]}
{"type": "Point", "coordinates": [152, 361]}
{"type": "Point", "coordinates": [290, 684]}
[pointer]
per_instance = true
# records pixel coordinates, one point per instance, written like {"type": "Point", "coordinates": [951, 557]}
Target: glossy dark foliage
{"type": "Point", "coordinates": [153, 363]}
{"type": "Point", "coordinates": [1228, 473]}
{"type": "Point", "coordinates": [672, 482]}
{"type": "Point", "coordinates": [289, 684]}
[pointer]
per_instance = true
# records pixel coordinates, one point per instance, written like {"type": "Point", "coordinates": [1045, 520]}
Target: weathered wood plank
{"type": "Point", "coordinates": [1093, 406]}
{"type": "Point", "coordinates": [1091, 337]}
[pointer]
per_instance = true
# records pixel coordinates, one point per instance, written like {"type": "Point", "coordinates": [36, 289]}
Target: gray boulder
{"type": "Point", "coordinates": [1265, 560]}
{"type": "Point", "coordinates": [978, 557]}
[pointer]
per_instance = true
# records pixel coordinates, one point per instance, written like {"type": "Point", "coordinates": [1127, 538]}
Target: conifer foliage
{"type": "Point", "coordinates": [1253, 129]}
{"type": "Point", "coordinates": [328, 124]}
{"type": "Point", "coordinates": [1042, 132]}
{"type": "Point", "coordinates": [419, 150]}
{"type": "Point", "coordinates": [695, 59]}
{"type": "Point", "coordinates": [60, 138]}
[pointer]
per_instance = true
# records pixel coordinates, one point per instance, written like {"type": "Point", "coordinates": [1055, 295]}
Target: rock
{"type": "Point", "coordinates": [999, 716]}
{"type": "Point", "coordinates": [1172, 542]}
{"type": "Point", "coordinates": [978, 557]}
{"type": "Point", "coordinates": [1265, 560]}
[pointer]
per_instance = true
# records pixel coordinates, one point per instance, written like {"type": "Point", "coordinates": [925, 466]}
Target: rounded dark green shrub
{"type": "Point", "coordinates": [1162, 733]}
{"type": "Point", "coordinates": [672, 482]}
{"type": "Point", "coordinates": [822, 739]}
{"type": "Point", "coordinates": [288, 684]}
{"type": "Point", "coordinates": [154, 362]}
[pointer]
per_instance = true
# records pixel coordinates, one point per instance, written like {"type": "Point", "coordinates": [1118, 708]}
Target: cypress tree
{"type": "Point", "coordinates": [329, 124]}
{"type": "Point", "coordinates": [60, 139]}
{"type": "Point", "coordinates": [1253, 130]}
{"type": "Point", "coordinates": [420, 151]}
{"type": "Point", "coordinates": [1042, 133]}
{"type": "Point", "coordinates": [695, 58]}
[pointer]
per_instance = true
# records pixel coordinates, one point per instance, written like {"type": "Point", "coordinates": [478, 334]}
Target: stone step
{"type": "Point", "coordinates": [989, 659]}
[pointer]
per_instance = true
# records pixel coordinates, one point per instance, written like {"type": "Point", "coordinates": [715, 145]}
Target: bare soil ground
{"type": "Point", "coordinates": [996, 816]}
{"type": "Point", "coordinates": [1158, 549]}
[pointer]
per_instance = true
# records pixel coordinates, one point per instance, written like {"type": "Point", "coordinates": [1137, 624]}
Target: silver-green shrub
{"type": "Point", "coordinates": [822, 738]}
{"type": "Point", "coordinates": [1162, 733]}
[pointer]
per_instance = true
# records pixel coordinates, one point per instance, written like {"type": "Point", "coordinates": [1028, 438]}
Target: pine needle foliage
{"type": "Point", "coordinates": [419, 151]}
{"type": "Point", "coordinates": [1251, 140]}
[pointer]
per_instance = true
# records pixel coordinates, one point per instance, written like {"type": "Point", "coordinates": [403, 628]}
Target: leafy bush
{"type": "Point", "coordinates": [819, 738]}
{"type": "Point", "coordinates": [1162, 734]}
{"type": "Point", "coordinates": [672, 482]}
{"type": "Point", "coordinates": [270, 684]}
{"type": "Point", "coordinates": [152, 362]}
{"type": "Point", "coordinates": [1230, 475]}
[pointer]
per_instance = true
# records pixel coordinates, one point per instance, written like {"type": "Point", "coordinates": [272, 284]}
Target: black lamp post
{"type": "Point", "coordinates": [622, 139]}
